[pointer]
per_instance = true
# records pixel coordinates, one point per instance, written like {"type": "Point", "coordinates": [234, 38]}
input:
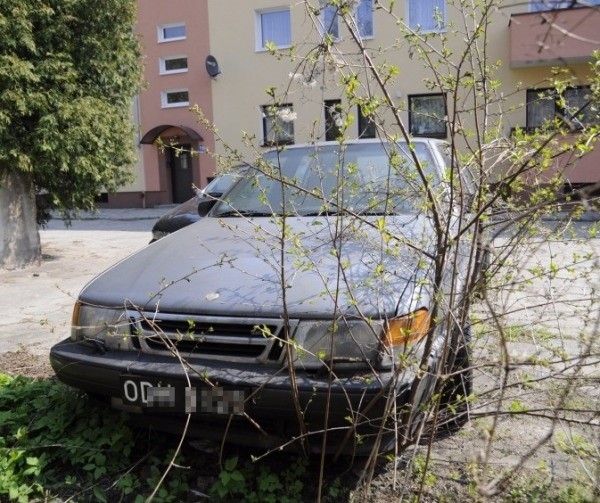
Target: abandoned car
{"type": "Point", "coordinates": [307, 309]}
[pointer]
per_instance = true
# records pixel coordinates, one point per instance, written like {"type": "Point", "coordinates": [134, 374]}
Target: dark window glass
{"type": "Point", "coordinates": [576, 108]}
{"type": "Point", "coordinates": [278, 124]}
{"type": "Point", "coordinates": [176, 64]}
{"type": "Point", "coordinates": [366, 126]}
{"type": "Point", "coordinates": [333, 119]}
{"type": "Point", "coordinates": [427, 115]}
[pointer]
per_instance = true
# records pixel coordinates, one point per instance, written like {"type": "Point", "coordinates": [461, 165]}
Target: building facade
{"type": "Point", "coordinates": [273, 85]}
{"type": "Point", "coordinates": [173, 148]}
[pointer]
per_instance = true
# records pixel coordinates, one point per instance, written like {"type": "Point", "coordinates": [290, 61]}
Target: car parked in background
{"type": "Point", "coordinates": [187, 213]}
{"type": "Point", "coordinates": [303, 302]}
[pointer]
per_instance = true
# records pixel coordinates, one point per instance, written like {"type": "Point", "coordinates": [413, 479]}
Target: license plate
{"type": "Point", "coordinates": [157, 394]}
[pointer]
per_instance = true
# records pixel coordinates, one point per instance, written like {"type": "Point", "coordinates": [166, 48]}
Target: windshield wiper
{"type": "Point", "coordinates": [244, 213]}
{"type": "Point", "coordinates": [319, 214]}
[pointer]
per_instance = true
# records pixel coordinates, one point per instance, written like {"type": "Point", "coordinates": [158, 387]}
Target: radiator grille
{"type": "Point", "coordinates": [254, 340]}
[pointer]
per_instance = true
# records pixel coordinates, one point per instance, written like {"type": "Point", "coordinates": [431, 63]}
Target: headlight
{"type": "Point", "coordinates": [358, 343]}
{"type": "Point", "coordinates": [107, 326]}
{"type": "Point", "coordinates": [345, 343]}
{"type": "Point", "coordinates": [407, 330]}
{"type": "Point", "coordinates": [402, 336]}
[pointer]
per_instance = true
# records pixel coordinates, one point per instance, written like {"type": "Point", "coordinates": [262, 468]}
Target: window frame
{"type": "Point", "coordinates": [332, 130]}
{"type": "Point", "coordinates": [164, 98]}
{"type": "Point", "coordinates": [372, 20]}
{"type": "Point", "coordinates": [366, 125]}
{"type": "Point", "coordinates": [260, 38]}
{"type": "Point", "coordinates": [161, 32]}
{"type": "Point", "coordinates": [412, 114]}
{"type": "Point", "coordinates": [268, 130]}
{"type": "Point", "coordinates": [335, 24]}
{"type": "Point", "coordinates": [162, 62]}
{"type": "Point", "coordinates": [540, 5]}
{"type": "Point", "coordinates": [558, 111]}
{"type": "Point", "coordinates": [440, 29]}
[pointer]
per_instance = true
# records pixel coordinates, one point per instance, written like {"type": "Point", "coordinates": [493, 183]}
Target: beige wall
{"type": "Point", "coordinates": [240, 90]}
{"type": "Point", "coordinates": [139, 182]}
{"type": "Point", "coordinates": [233, 99]}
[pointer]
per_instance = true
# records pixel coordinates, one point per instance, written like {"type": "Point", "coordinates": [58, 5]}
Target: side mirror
{"type": "Point", "coordinates": [205, 205]}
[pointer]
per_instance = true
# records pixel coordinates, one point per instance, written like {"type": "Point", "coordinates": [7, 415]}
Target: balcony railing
{"type": "Point", "coordinates": [554, 37]}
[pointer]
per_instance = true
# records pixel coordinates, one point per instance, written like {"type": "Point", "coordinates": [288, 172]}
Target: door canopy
{"type": "Point", "coordinates": [150, 137]}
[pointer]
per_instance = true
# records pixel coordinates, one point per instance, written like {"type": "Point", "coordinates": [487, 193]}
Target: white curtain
{"type": "Point", "coordinates": [276, 27]}
{"type": "Point", "coordinates": [364, 18]}
{"type": "Point", "coordinates": [423, 14]}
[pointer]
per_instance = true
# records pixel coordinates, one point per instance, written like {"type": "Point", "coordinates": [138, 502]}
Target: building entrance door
{"type": "Point", "coordinates": [180, 163]}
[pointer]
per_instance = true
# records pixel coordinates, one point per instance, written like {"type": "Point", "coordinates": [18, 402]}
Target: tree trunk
{"type": "Point", "coordinates": [19, 237]}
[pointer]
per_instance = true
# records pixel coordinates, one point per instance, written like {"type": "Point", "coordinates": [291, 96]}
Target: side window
{"type": "Point", "coordinates": [427, 115]}
{"type": "Point", "coordinates": [273, 26]}
{"type": "Point", "coordinates": [171, 32]}
{"type": "Point", "coordinates": [278, 124]}
{"type": "Point", "coordinates": [426, 15]}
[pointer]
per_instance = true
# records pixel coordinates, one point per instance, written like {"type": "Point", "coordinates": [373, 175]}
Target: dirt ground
{"type": "Point", "coordinates": [535, 447]}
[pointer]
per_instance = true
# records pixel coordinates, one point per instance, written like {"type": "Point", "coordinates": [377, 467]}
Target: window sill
{"type": "Point", "coordinates": [173, 72]}
{"type": "Point", "coordinates": [175, 39]}
{"type": "Point", "coordinates": [279, 48]}
{"type": "Point", "coordinates": [176, 105]}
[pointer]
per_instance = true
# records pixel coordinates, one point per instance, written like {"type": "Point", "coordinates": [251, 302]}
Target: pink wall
{"type": "Point", "coordinates": [543, 38]}
{"type": "Point", "coordinates": [152, 14]}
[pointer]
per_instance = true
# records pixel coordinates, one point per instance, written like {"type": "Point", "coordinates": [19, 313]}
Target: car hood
{"type": "Point", "coordinates": [235, 267]}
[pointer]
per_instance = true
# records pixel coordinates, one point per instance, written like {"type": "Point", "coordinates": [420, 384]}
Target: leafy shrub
{"type": "Point", "coordinates": [55, 441]}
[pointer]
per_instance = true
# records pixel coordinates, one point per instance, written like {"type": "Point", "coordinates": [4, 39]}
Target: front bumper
{"type": "Point", "coordinates": [269, 417]}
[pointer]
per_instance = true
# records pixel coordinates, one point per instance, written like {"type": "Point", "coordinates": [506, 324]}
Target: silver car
{"type": "Point", "coordinates": [301, 304]}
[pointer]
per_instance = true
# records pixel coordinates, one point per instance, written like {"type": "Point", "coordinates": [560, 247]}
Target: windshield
{"type": "Point", "coordinates": [220, 184]}
{"type": "Point", "coordinates": [367, 178]}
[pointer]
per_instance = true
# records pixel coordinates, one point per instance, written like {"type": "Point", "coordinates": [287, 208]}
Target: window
{"type": "Point", "coordinates": [170, 32]}
{"type": "Point", "coordinates": [273, 26]}
{"type": "Point", "coordinates": [544, 5]}
{"type": "Point", "coordinates": [175, 98]}
{"type": "Point", "coordinates": [543, 106]}
{"type": "Point", "coordinates": [364, 18]}
{"type": "Point", "coordinates": [173, 64]}
{"type": "Point", "coordinates": [278, 124]}
{"type": "Point", "coordinates": [363, 15]}
{"type": "Point", "coordinates": [426, 15]}
{"type": "Point", "coordinates": [366, 125]}
{"type": "Point", "coordinates": [333, 119]}
{"type": "Point", "coordinates": [427, 115]}
{"type": "Point", "coordinates": [331, 24]}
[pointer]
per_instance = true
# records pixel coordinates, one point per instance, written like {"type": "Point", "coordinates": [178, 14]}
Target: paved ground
{"type": "Point", "coordinates": [36, 302]}
{"type": "Point", "coordinates": [36, 305]}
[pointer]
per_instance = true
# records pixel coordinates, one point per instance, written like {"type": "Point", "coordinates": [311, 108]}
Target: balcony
{"type": "Point", "coordinates": [554, 37]}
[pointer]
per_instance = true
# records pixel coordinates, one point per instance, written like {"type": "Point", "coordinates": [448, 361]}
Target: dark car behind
{"type": "Point", "coordinates": [187, 213]}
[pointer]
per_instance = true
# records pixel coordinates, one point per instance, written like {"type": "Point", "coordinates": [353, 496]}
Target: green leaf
{"type": "Point", "coordinates": [99, 494]}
